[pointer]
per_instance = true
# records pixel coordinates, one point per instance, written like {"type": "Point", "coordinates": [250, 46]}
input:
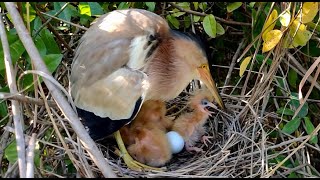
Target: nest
{"type": "Point", "coordinates": [241, 146]}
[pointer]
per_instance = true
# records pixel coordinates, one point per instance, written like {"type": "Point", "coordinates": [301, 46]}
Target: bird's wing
{"type": "Point", "coordinates": [100, 80]}
{"type": "Point", "coordinates": [114, 96]}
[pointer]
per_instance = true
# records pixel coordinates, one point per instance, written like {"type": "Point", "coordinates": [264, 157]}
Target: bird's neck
{"type": "Point", "coordinates": [164, 70]}
{"type": "Point", "coordinates": [200, 116]}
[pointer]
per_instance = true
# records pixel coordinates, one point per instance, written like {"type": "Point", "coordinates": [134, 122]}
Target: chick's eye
{"type": "Point", "coordinates": [204, 102]}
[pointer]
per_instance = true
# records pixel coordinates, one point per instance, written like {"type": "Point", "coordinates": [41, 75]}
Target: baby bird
{"type": "Point", "coordinates": [191, 125]}
{"type": "Point", "coordinates": [145, 137]}
{"type": "Point", "coordinates": [152, 114]}
{"type": "Point", "coordinates": [151, 147]}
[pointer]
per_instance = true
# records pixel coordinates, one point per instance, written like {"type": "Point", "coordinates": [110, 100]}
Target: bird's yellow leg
{"type": "Point", "coordinates": [131, 163]}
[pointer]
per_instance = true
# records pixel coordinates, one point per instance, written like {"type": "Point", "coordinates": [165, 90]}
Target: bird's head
{"type": "Point", "coordinates": [202, 100]}
{"type": "Point", "coordinates": [190, 48]}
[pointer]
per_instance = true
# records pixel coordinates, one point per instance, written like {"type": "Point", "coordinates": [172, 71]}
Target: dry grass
{"type": "Point", "coordinates": [243, 145]}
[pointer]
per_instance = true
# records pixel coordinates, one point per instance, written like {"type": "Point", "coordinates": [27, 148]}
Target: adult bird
{"type": "Point", "coordinates": [125, 58]}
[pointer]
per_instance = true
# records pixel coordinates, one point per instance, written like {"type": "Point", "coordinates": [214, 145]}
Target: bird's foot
{"type": "Point", "coordinates": [133, 164]}
{"type": "Point", "coordinates": [205, 139]}
{"type": "Point", "coordinates": [193, 148]}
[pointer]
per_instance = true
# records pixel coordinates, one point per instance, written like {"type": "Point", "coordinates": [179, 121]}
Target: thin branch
{"type": "Point", "coordinates": [46, 22]}
{"type": "Point", "coordinates": [233, 63]}
{"type": "Point", "coordinates": [73, 24]}
{"type": "Point", "coordinates": [16, 112]}
{"type": "Point", "coordinates": [26, 99]}
{"type": "Point", "coordinates": [63, 104]}
{"type": "Point", "coordinates": [60, 39]}
{"type": "Point", "coordinates": [204, 14]}
{"type": "Point", "coordinates": [30, 156]}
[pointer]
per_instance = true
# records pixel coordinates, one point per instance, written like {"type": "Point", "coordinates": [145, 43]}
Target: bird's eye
{"type": "Point", "coordinates": [204, 66]}
{"type": "Point", "coordinates": [204, 102]}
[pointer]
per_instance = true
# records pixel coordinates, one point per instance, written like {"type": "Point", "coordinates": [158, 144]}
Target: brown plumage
{"type": "Point", "coordinates": [145, 137]}
{"type": "Point", "coordinates": [151, 146]}
{"type": "Point", "coordinates": [128, 57]}
{"type": "Point", "coordinates": [151, 114]}
{"type": "Point", "coordinates": [191, 125]}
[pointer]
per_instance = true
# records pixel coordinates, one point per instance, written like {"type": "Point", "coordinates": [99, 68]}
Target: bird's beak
{"type": "Point", "coordinates": [206, 78]}
{"type": "Point", "coordinates": [209, 104]}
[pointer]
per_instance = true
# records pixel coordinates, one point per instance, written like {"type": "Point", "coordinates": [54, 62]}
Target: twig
{"type": "Point", "coordinates": [73, 24]}
{"type": "Point", "coordinates": [233, 63]}
{"type": "Point", "coordinates": [46, 22]}
{"type": "Point", "coordinates": [26, 99]}
{"type": "Point", "coordinates": [299, 69]}
{"type": "Point", "coordinates": [16, 112]}
{"type": "Point", "coordinates": [204, 14]}
{"type": "Point", "coordinates": [63, 104]}
{"type": "Point", "coordinates": [60, 39]}
{"type": "Point", "coordinates": [30, 156]}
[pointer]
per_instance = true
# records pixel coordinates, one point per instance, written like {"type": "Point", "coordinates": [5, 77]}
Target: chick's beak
{"type": "Point", "coordinates": [206, 78]}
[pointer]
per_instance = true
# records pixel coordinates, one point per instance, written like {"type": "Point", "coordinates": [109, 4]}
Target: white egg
{"type": "Point", "coordinates": [176, 141]}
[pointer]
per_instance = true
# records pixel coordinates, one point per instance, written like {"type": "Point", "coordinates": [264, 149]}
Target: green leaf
{"type": "Point", "coordinates": [184, 5]}
{"type": "Point", "coordinates": [285, 111]}
{"type": "Point", "coordinates": [40, 46]}
{"type": "Point", "coordinates": [178, 14]}
{"type": "Point", "coordinates": [187, 21]}
{"type": "Point", "coordinates": [84, 19]}
{"type": "Point", "coordinates": [66, 13]}
{"type": "Point", "coordinates": [32, 12]}
{"type": "Point", "coordinates": [195, 5]}
{"type": "Point", "coordinates": [84, 8]}
{"type": "Point", "coordinates": [37, 154]}
{"type": "Point", "coordinates": [3, 111]}
{"type": "Point", "coordinates": [292, 78]}
{"type": "Point", "coordinates": [151, 6]}
{"type": "Point", "coordinates": [251, 4]}
{"type": "Point", "coordinates": [196, 18]}
{"type": "Point", "coordinates": [12, 155]}
{"type": "Point", "coordinates": [309, 129]}
{"type": "Point", "coordinates": [11, 152]}
{"type": "Point", "coordinates": [203, 6]}
{"type": "Point", "coordinates": [296, 103]}
{"type": "Point", "coordinates": [123, 5]}
{"type": "Point", "coordinates": [210, 25]}
{"type": "Point", "coordinates": [220, 29]}
{"type": "Point", "coordinates": [233, 6]}
{"type": "Point", "coordinates": [293, 175]}
{"type": "Point", "coordinates": [52, 61]}
{"type": "Point", "coordinates": [47, 38]}
{"type": "Point", "coordinates": [36, 24]}
{"type": "Point", "coordinates": [95, 8]}
{"type": "Point", "coordinates": [173, 21]}
{"type": "Point", "coordinates": [260, 58]}
{"type": "Point", "coordinates": [16, 50]}
{"type": "Point", "coordinates": [292, 125]}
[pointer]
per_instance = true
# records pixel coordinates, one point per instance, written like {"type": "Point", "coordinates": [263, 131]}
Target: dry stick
{"type": "Point", "coordinates": [301, 99]}
{"type": "Point", "coordinates": [55, 127]}
{"type": "Point", "coordinates": [30, 156]}
{"type": "Point", "coordinates": [26, 99]}
{"type": "Point", "coordinates": [204, 14]}
{"type": "Point", "coordinates": [60, 39]}
{"type": "Point", "coordinates": [233, 63]}
{"type": "Point", "coordinates": [299, 68]}
{"type": "Point", "coordinates": [65, 107]}
{"type": "Point", "coordinates": [73, 24]}
{"type": "Point", "coordinates": [46, 22]}
{"type": "Point", "coordinates": [16, 112]}
{"type": "Point", "coordinates": [314, 132]}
